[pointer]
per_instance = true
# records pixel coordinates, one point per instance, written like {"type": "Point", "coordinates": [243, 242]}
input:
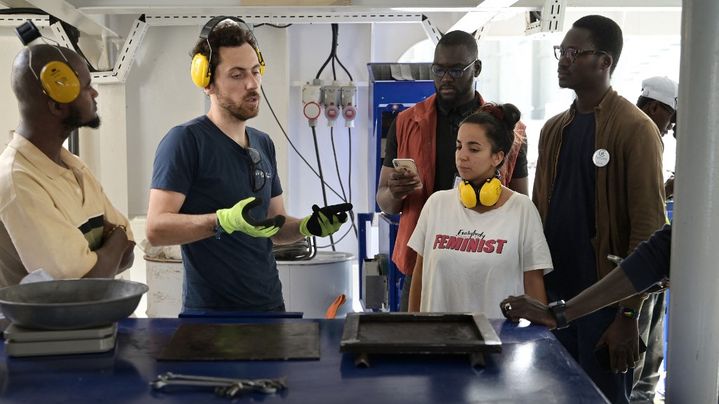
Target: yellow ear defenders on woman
{"type": "Point", "coordinates": [487, 194]}
{"type": "Point", "coordinates": [200, 68]}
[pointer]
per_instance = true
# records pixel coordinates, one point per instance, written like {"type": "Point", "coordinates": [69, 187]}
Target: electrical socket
{"type": "Point", "coordinates": [349, 105]}
{"type": "Point", "coordinates": [311, 101]}
{"type": "Point", "coordinates": [331, 102]}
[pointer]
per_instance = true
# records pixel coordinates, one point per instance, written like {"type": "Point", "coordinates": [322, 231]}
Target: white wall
{"type": "Point", "coordinates": [9, 47]}
{"type": "Point", "coordinates": [159, 96]}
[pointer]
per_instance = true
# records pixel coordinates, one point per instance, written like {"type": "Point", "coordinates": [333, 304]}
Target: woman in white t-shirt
{"type": "Point", "coordinates": [480, 242]}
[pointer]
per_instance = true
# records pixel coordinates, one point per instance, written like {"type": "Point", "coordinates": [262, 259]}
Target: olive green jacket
{"type": "Point", "coordinates": [629, 197]}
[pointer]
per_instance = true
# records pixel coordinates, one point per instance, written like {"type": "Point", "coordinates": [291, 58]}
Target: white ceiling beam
{"type": "Point", "coordinates": [188, 7]}
{"type": "Point", "coordinates": [13, 20]}
{"type": "Point", "coordinates": [67, 12]}
{"type": "Point", "coordinates": [194, 6]}
{"type": "Point", "coordinates": [283, 16]}
{"type": "Point", "coordinates": [606, 5]}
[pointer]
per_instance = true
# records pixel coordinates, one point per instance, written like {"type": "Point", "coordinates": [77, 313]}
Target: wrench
{"type": "Point", "coordinates": [223, 386]}
{"type": "Point", "coordinates": [161, 384]}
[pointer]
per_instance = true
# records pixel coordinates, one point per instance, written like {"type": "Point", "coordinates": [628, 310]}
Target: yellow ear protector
{"type": "Point", "coordinates": [200, 68]}
{"type": "Point", "coordinates": [487, 194]}
{"type": "Point", "coordinates": [59, 81]}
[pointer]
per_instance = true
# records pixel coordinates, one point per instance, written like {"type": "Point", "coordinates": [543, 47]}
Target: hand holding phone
{"type": "Point", "coordinates": [407, 165]}
{"type": "Point", "coordinates": [405, 179]}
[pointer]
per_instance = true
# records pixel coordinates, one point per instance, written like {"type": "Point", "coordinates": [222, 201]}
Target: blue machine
{"type": "Point", "coordinates": [393, 87]}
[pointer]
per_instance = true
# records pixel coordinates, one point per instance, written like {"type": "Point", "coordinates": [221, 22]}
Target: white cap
{"type": "Point", "coordinates": [662, 89]}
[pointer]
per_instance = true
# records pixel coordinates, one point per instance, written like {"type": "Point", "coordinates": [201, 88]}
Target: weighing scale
{"type": "Point", "coordinates": [21, 341]}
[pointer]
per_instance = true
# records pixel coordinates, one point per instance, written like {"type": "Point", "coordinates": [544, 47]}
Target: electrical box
{"type": "Point", "coordinates": [393, 87]}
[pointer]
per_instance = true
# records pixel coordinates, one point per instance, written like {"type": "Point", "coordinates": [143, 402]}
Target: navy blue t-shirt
{"type": "Point", "coordinates": [570, 224]}
{"type": "Point", "coordinates": [236, 271]}
{"type": "Point", "coordinates": [649, 263]}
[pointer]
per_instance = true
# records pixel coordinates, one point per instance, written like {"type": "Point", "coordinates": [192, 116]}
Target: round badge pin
{"type": "Point", "coordinates": [600, 157]}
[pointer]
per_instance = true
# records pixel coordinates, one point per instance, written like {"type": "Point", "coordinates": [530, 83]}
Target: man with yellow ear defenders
{"type": "Point", "coordinates": [216, 190]}
{"type": "Point", "coordinates": [58, 79]}
{"type": "Point", "coordinates": [201, 67]}
{"type": "Point", "coordinates": [54, 214]}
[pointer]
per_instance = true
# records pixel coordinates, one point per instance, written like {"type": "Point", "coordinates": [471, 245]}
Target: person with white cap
{"type": "Point", "coordinates": [659, 101]}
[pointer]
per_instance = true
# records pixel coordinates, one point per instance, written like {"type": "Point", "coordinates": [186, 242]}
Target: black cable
{"type": "Point", "coordinates": [323, 67]}
{"type": "Point", "coordinates": [332, 54]}
{"type": "Point", "coordinates": [334, 72]}
{"type": "Point", "coordinates": [337, 166]}
{"type": "Point", "coordinates": [322, 178]}
{"type": "Point", "coordinates": [273, 25]}
{"type": "Point", "coordinates": [319, 175]}
{"type": "Point", "coordinates": [344, 68]}
{"type": "Point", "coordinates": [336, 33]}
{"type": "Point", "coordinates": [349, 177]}
{"type": "Point", "coordinates": [339, 177]}
{"type": "Point", "coordinates": [293, 145]}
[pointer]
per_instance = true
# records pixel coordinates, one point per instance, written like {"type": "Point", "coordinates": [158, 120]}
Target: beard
{"type": "Point", "coordinates": [74, 121]}
{"type": "Point", "coordinates": [241, 111]}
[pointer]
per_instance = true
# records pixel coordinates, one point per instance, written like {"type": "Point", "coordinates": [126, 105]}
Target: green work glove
{"type": "Point", "coordinates": [324, 221]}
{"type": "Point", "coordinates": [237, 218]}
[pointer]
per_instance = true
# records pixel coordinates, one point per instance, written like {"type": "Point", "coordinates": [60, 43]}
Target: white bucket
{"type": "Point", "coordinates": [164, 278]}
{"type": "Point", "coordinates": [307, 286]}
{"type": "Point", "coordinates": [311, 286]}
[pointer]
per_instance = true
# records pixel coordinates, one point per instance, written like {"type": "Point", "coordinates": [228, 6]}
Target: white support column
{"type": "Point", "coordinates": [693, 356]}
{"type": "Point", "coordinates": [105, 150]}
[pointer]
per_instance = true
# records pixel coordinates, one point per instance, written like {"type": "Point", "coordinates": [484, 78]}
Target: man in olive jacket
{"type": "Point", "coordinates": [599, 190]}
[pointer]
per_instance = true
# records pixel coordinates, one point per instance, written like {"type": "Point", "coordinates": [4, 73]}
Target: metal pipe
{"type": "Point", "coordinates": [693, 355]}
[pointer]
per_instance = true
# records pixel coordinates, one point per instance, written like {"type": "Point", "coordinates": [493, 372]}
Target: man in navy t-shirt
{"type": "Point", "coordinates": [215, 188]}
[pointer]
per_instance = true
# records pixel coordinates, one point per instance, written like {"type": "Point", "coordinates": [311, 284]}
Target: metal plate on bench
{"type": "Point", "coordinates": [210, 342]}
{"type": "Point", "coordinates": [392, 333]}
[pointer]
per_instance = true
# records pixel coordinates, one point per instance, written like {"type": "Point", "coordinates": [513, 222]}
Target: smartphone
{"type": "Point", "coordinates": [405, 164]}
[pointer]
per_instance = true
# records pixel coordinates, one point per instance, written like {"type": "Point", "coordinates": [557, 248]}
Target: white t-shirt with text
{"type": "Point", "coordinates": [472, 260]}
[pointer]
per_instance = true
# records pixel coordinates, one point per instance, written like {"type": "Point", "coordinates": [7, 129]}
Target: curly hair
{"type": "Point", "coordinates": [227, 33]}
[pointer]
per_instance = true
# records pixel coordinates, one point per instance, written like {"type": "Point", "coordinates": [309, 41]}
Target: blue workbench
{"type": "Point", "coordinates": [533, 368]}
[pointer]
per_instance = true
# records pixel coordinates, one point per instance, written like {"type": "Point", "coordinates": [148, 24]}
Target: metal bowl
{"type": "Point", "coordinates": [70, 304]}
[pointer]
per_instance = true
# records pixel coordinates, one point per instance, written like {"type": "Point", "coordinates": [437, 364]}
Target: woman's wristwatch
{"type": "Point", "coordinates": [557, 309]}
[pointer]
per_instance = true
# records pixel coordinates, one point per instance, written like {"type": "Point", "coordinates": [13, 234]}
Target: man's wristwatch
{"type": "Point", "coordinates": [218, 230]}
{"type": "Point", "coordinates": [557, 309]}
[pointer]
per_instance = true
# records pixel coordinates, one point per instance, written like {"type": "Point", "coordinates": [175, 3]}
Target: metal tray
{"type": "Point", "coordinates": [419, 333]}
{"type": "Point", "coordinates": [278, 341]}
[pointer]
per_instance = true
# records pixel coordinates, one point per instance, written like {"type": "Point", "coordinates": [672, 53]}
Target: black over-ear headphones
{"type": "Point", "coordinates": [58, 79]}
{"type": "Point", "coordinates": [200, 69]}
